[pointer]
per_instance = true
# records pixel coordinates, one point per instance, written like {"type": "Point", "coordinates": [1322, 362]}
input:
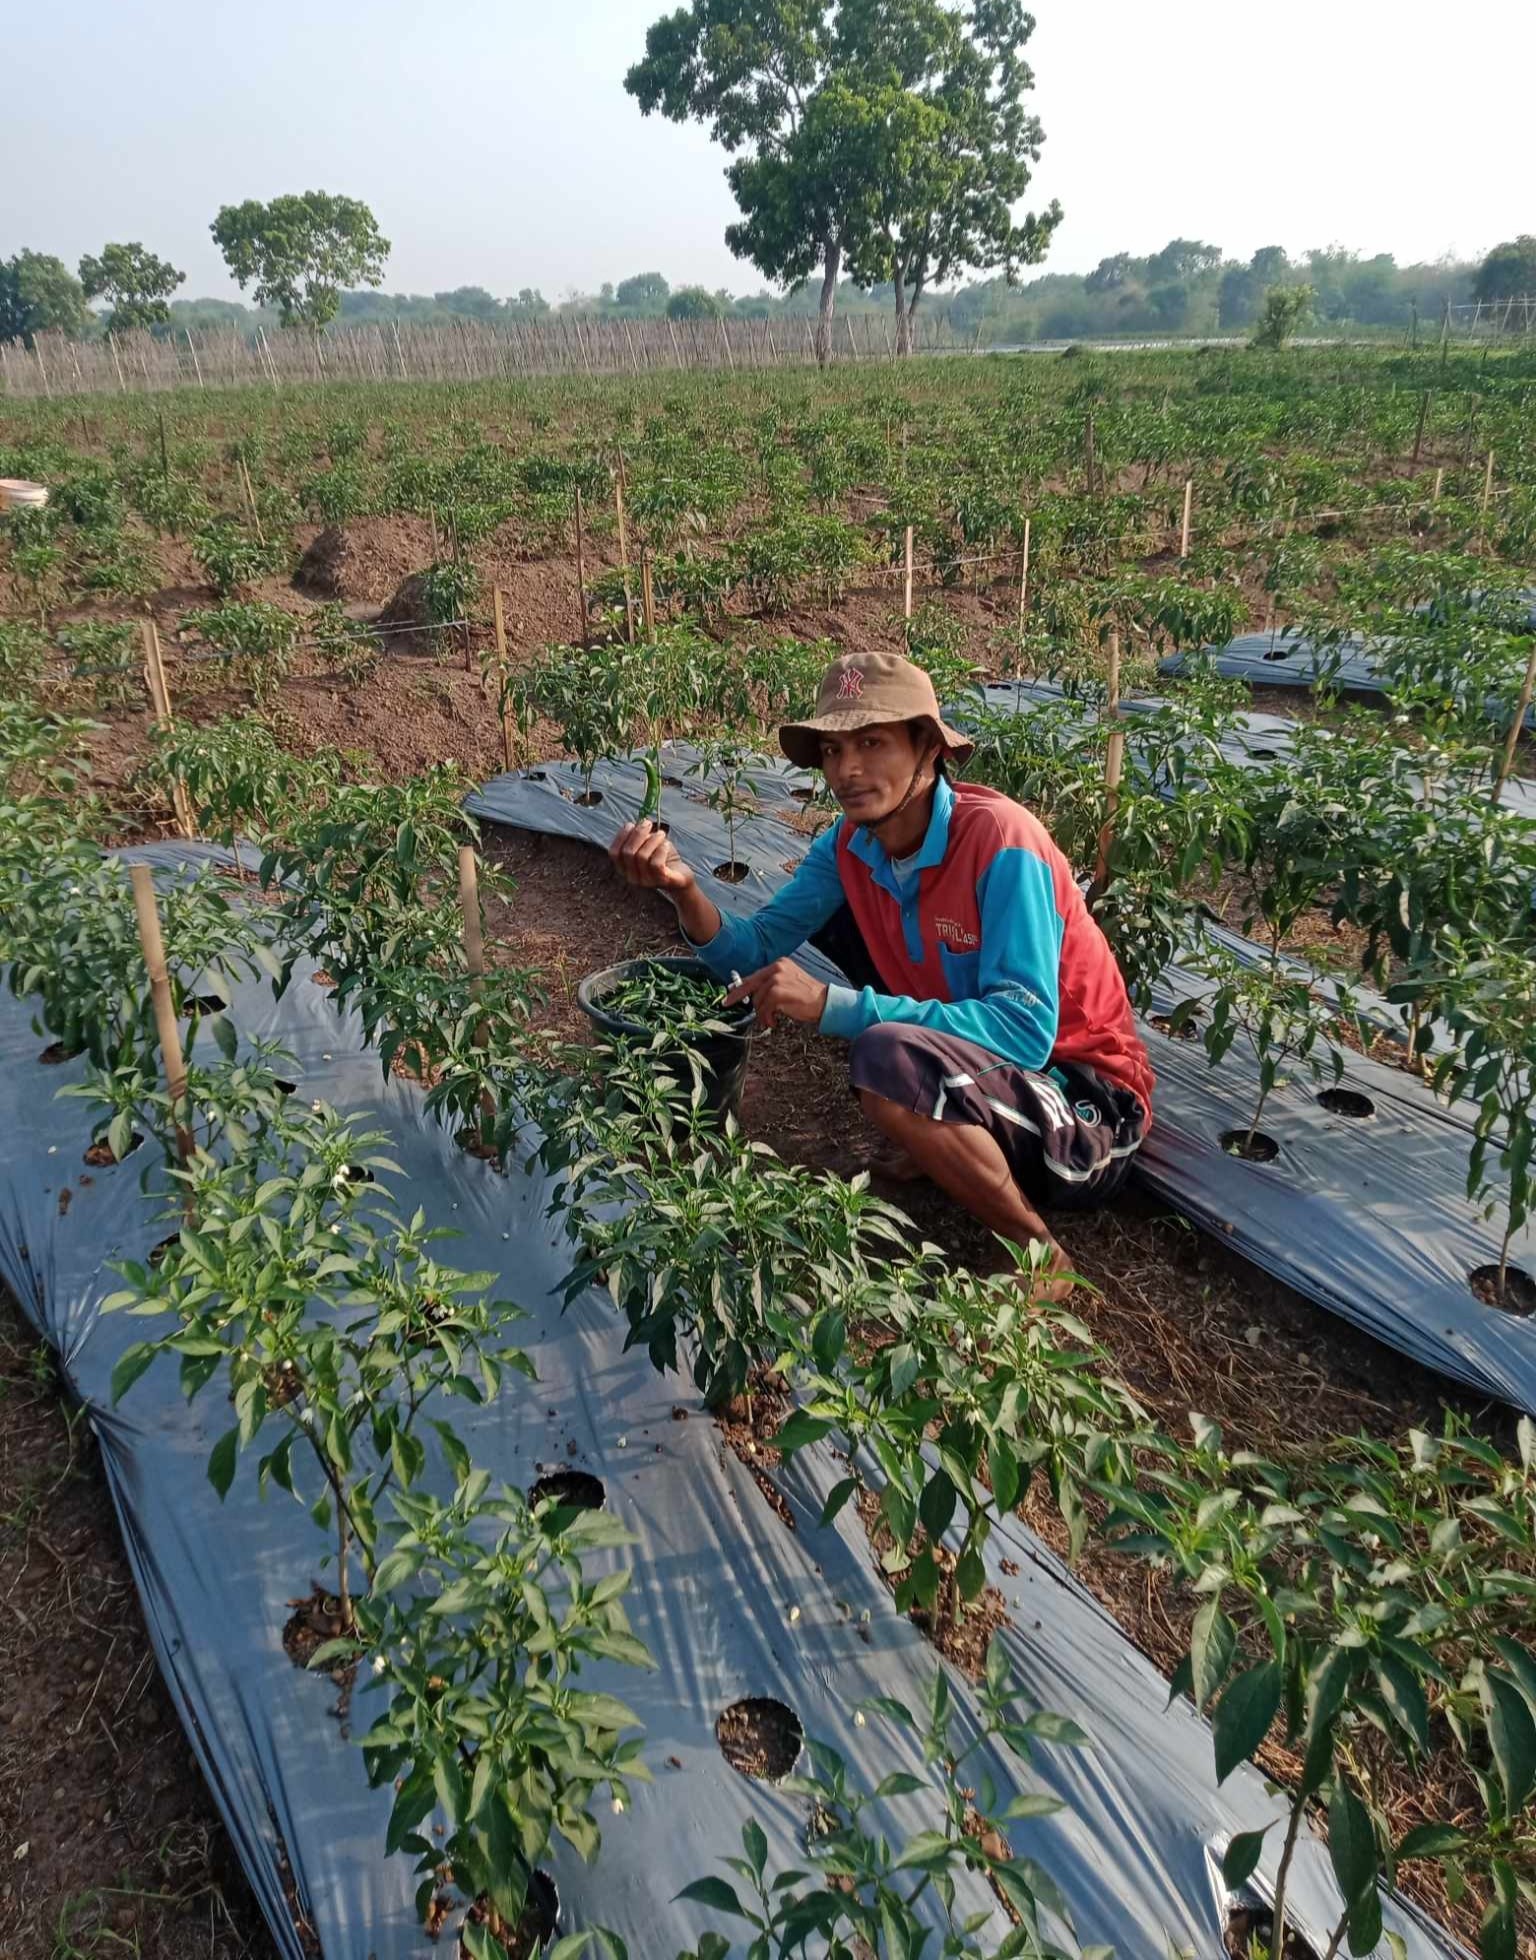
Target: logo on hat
{"type": "Point", "coordinates": [850, 684]}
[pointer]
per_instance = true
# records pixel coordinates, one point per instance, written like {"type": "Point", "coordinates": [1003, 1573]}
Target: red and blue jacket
{"type": "Point", "coordinates": [982, 933]}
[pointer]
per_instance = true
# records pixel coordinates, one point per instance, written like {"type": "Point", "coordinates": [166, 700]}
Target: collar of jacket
{"type": "Point", "coordinates": [869, 850]}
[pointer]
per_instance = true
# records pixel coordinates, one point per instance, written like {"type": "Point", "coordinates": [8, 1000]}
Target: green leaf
{"type": "Point", "coordinates": [1241, 1858]}
{"type": "Point", "coordinates": [1496, 1933]}
{"type": "Point", "coordinates": [221, 1462]}
{"type": "Point", "coordinates": [1351, 1844]}
{"type": "Point", "coordinates": [800, 1430]}
{"type": "Point", "coordinates": [1431, 1841]}
{"type": "Point", "coordinates": [1511, 1736]}
{"type": "Point", "coordinates": [131, 1363]}
{"type": "Point", "coordinates": [1003, 1474]}
{"type": "Point", "coordinates": [1243, 1716]}
{"type": "Point", "coordinates": [837, 1497]}
{"type": "Point", "coordinates": [936, 1506]}
{"type": "Point", "coordinates": [1212, 1645]}
{"type": "Point", "coordinates": [1365, 1923]}
{"type": "Point", "coordinates": [714, 1893]}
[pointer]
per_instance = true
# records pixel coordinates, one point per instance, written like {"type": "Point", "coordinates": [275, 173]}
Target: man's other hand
{"type": "Point", "coordinates": [781, 988]}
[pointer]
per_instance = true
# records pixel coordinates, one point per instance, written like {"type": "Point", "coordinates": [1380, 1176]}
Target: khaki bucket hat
{"type": "Point", "coordinates": [862, 690]}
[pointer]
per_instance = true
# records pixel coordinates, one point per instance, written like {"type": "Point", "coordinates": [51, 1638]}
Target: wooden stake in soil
{"type": "Point", "coordinates": [1418, 434]}
{"type": "Point", "coordinates": [1088, 448]}
{"type": "Point", "coordinates": [647, 597]}
{"type": "Point", "coordinates": [1487, 488]}
{"type": "Point", "coordinates": [1114, 765]}
{"type": "Point", "coordinates": [166, 1029]}
{"type": "Point", "coordinates": [1024, 576]}
{"type": "Point", "coordinates": [1189, 511]}
{"type": "Point", "coordinates": [1512, 739]}
{"type": "Point", "coordinates": [160, 703]}
{"type": "Point", "coordinates": [503, 707]}
{"type": "Point", "coordinates": [474, 961]}
{"type": "Point", "coordinates": [250, 501]}
{"type": "Point", "coordinates": [581, 567]}
{"type": "Point", "coordinates": [197, 366]}
{"type": "Point", "coordinates": [906, 599]}
{"type": "Point", "coordinates": [629, 596]}
{"type": "Point", "coordinates": [1439, 486]}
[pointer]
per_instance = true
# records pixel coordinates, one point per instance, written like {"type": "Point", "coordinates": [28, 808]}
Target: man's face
{"type": "Point", "coordinates": [870, 770]}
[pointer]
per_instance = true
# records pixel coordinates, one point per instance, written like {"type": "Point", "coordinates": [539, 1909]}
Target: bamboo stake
{"type": "Point", "coordinates": [1114, 765]}
{"type": "Point", "coordinates": [160, 702]}
{"type": "Point", "coordinates": [730, 357]}
{"type": "Point", "coordinates": [1418, 434]}
{"type": "Point", "coordinates": [581, 566]}
{"type": "Point", "coordinates": [1024, 576]}
{"type": "Point", "coordinates": [250, 498]}
{"type": "Point", "coordinates": [1439, 486]}
{"type": "Point", "coordinates": [629, 596]}
{"type": "Point", "coordinates": [1189, 511]}
{"type": "Point", "coordinates": [647, 597]}
{"type": "Point", "coordinates": [906, 603]}
{"type": "Point", "coordinates": [1511, 741]}
{"type": "Point", "coordinates": [1487, 487]}
{"type": "Point", "coordinates": [503, 709]}
{"type": "Point", "coordinates": [474, 961]}
{"type": "Point", "coordinates": [121, 383]}
{"type": "Point", "coordinates": [1088, 453]}
{"type": "Point", "coordinates": [197, 366]}
{"type": "Point", "coordinates": [153, 944]}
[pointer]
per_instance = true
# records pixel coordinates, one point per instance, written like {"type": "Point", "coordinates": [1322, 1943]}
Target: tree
{"type": "Point", "coordinates": [530, 304]}
{"type": "Point", "coordinates": [694, 303]}
{"type": "Point", "coordinates": [39, 294]}
{"type": "Point", "coordinates": [645, 292]}
{"type": "Point", "coordinates": [300, 251]}
{"type": "Point", "coordinates": [1109, 275]}
{"type": "Point", "coordinates": [138, 284]}
{"type": "Point", "coordinates": [470, 303]}
{"type": "Point", "coordinates": [1285, 308]}
{"type": "Point", "coordinates": [947, 155]}
{"type": "Point", "coordinates": [1508, 272]}
{"type": "Point", "coordinates": [752, 70]}
{"type": "Point", "coordinates": [1182, 259]}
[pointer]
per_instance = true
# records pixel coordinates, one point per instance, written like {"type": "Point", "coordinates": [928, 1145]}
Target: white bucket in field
{"type": "Point", "coordinates": [17, 494]}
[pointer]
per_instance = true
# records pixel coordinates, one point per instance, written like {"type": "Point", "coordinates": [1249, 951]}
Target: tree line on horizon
{"type": "Point", "coordinates": [1188, 288]}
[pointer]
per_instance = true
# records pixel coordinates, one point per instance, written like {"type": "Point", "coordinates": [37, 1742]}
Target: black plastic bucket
{"type": "Point", "coordinates": [723, 1057]}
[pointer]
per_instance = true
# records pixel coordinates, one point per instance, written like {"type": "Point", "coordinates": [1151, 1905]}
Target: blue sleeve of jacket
{"type": "Point", "coordinates": [1018, 998]}
{"type": "Point", "coordinates": [786, 921]}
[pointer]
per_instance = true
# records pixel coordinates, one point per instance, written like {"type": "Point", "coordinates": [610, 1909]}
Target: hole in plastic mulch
{"type": "Point", "coordinates": [99, 1155]}
{"type": "Point", "coordinates": [56, 1052]}
{"type": "Point", "coordinates": [1187, 1030]}
{"type": "Point", "coordinates": [733, 871]}
{"type": "Point", "coordinates": [535, 775]}
{"type": "Point", "coordinates": [1250, 1927]}
{"type": "Point", "coordinates": [196, 1004]}
{"type": "Point", "coordinates": [157, 1252]}
{"type": "Point", "coordinates": [571, 1490]}
{"type": "Point", "coordinates": [1279, 653]}
{"type": "Point", "coordinates": [1519, 1291]}
{"type": "Point", "coordinates": [283, 1088]}
{"type": "Point", "coordinates": [534, 1931]}
{"type": "Point", "coordinates": [359, 1174]}
{"type": "Point", "coordinates": [1264, 755]}
{"type": "Point", "coordinates": [760, 1737]}
{"type": "Point", "coordinates": [803, 795]}
{"type": "Point", "coordinates": [587, 799]}
{"type": "Point", "coordinates": [1346, 1102]}
{"type": "Point", "coordinates": [1253, 1148]}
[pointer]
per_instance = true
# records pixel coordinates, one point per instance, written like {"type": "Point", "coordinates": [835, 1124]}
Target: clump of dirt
{"type": "Point", "coordinates": [362, 562]}
{"type": "Point", "coordinates": [760, 1737]}
{"type": "Point", "coordinates": [407, 609]}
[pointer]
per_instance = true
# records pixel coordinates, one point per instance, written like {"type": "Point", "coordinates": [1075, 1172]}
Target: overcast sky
{"type": "Point", "coordinates": [496, 146]}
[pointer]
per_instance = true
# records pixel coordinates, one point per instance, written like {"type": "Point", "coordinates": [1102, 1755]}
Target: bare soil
{"type": "Point", "coordinates": [109, 1842]}
{"type": "Point", "coordinates": [760, 1737]}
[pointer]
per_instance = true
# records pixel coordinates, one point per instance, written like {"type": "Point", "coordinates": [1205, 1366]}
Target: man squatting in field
{"type": "Point", "coordinates": [993, 1041]}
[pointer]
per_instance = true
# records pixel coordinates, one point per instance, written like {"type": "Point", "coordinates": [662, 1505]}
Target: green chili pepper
{"type": "Point", "coordinates": [651, 807]}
